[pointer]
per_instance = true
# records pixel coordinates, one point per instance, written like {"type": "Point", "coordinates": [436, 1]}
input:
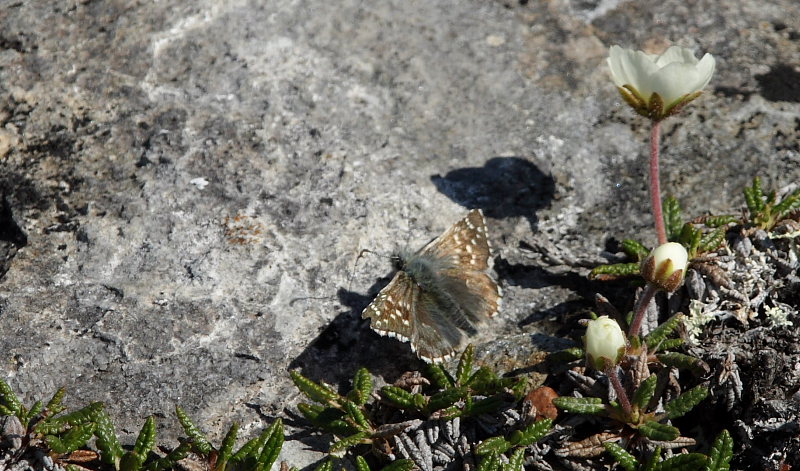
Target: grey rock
{"type": "Point", "coordinates": [187, 187]}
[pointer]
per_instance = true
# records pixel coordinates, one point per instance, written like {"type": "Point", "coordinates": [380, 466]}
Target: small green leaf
{"type": "Point", "coordinates": [147, 438]}
{"type": "Point", "coordinates": [566, 356]}
{"type": "Point", "coordinates": [75, 438]}
{"type": "Point", "coordinates": [131, 461]}
{"type": "Point", "coordinates": [660, 333]}
{"type": "Point", "coordinates": [440, 377]}
{"type": "Point", "coordinates": [361, 464]}
{"type": "Point", "coordinates": [719, 221]}
{"type": "Point", "coordinates": [492, 445]}
{"type": "Point", "coordinates": [316, 392]}
{"type": "Point", "coordinates": [357, 415]}
{"type": "Point", "coordinates": [107, 442]}
{"type": "Point", "coordinates": [326, 465]}
{"type": "Point", "coordinates": [658, 431]}
{"type": "Point", "coordinates": [400, 465]}
{"type": "Point", "coordinates": [515, 463]}
{"type": "Point", "coordinates": [721, 453]}
{"type": "Point", "coordinates": [712, 240]}
{"type": "Point", "coordinates": [683, 462]}
{"type": "Point", "coordinates": [580, 405]}
{"type": "Point", "coordinates": [616, 270]}
{"type": "Point", "coordinates": [669, 344]}
{"type": "Point", "coordinates": [487, 405]}
{"type": "Point", "coordinates": [621, 456]}
{"type": "Point", "coordinates": [446, 398]}
{"type": "Point", "coordinates": [685, 402]}
{"type": "Point", "coordinates": [490, 462]}
{"type": "Point", "coordinates": [272, 447]}
{"type": "Point", "coordinates": [645, 391]}
{"type": "Point", "coordinates": [464, 369]}
{"type": "Point", "coordinates": [635, 249]}
{"type": "Point", "coordinates": [171, 460]}
{"type": "Point", "coordinates": [362, 387]}
{"type": "Point", "coordinates": [673, 221]}
{"type": "Point", "coordinates": [341, 446]}
{"type": "Point", "coordinates": [82, 416]}
{"type": "Point", "coordinates": [198, 439]}
{"type": "Point", "coordinates": [398, 397]}
{"type": "Point", "coordinates": [226, 447]}
{"type": "Point", "coordinates": [9, 399]}
{"type": "Point", "coordinates": [532, 433]}
{"type": "Point", "coordinates": [790, 203]}
{"type": "Point", "coordinates": [653, 460]}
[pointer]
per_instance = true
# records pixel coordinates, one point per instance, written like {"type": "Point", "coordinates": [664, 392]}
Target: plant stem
{"type": "Point", "coordinates": [611, 372]}
{"type": "Point", "coordinates": [655, 186]}
{"type": "Point", "coordinates": [641, 306]}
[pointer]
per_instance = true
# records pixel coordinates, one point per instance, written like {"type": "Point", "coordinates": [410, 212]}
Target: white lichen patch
{"type": "Point", "coordinates": [779, 315]}
{"type": "Point", "coordinates": [700, 314]}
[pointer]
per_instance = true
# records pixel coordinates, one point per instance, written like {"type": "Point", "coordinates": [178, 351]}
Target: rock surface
{"type": "Point", "coordinates": [187, 187]}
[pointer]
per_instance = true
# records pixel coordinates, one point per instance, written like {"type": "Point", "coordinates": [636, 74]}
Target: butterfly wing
{"type": "Point", "coordinates": [391, 313]}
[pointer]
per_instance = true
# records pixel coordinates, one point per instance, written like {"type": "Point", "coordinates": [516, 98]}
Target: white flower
{"type": "Point", "coordinates": [604, 340]}
{"type": "Point", "coordinates": [659, 85]}
{"type": "Point", "coordinates": [666, 266]}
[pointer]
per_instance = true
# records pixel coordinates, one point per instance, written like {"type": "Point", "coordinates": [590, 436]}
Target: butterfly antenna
{"type": "Point", "coordinates": [353, 270]}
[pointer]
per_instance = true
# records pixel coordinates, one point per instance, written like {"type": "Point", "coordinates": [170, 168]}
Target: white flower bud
{"type": "Point", "coordinates": [666, 266]}
{"type": "Point", "coordinates": [604, 340]}
{"type": "Point", "coordinates": [657, 86]}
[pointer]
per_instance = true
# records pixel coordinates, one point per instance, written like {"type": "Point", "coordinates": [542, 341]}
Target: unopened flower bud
{"type": "Point", "coordinates": [666, 266]}
{"type": "Point", "coordinates": [603, 341]}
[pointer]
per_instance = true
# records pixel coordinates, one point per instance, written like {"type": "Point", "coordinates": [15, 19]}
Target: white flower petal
{"type": "Point", "coordinates": [675, 80]}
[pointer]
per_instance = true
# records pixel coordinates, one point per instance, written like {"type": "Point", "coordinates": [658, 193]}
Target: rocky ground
{"type": "Point", "coordinates": [187, 188]}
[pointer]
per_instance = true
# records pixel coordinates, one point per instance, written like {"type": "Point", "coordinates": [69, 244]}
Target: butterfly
{"type": "Point", "coordinates": [440, 294]}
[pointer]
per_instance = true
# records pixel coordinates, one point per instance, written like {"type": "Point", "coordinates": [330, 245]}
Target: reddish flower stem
{"type": "Point", "coordinates": [655, 186]}
{"type": "Point", "coordinates": [622, 396]}
{"type": "Point", "coordinates": [641, 306]}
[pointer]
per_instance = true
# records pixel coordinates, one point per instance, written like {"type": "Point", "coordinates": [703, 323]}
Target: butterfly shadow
{"type": "Point", "coordinates": [504, 187]}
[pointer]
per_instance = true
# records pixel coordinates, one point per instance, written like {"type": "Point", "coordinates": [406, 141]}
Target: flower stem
{"type": "Point", "coordinates": [611, 372]}
{"type": "Point", "coordinates": [641, 306]}
{"type": "Point", "coordinates": [655, 186]}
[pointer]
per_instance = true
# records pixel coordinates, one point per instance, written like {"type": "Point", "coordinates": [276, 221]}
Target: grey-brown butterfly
{"type": "Point", "coordinates": [441, 294]}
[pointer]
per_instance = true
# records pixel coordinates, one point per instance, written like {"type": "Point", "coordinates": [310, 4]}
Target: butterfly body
{"type": "Point", "coordinates": [440, 294]}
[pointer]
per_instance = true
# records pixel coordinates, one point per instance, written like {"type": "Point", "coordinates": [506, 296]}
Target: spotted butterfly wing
{"type": "Point", "coordinates": [440, 294]}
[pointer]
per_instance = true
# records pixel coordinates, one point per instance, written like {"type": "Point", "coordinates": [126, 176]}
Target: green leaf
{"type": "Point", "coordinates": [361, 464]}
{"type": "Point", "coordinates": [362, 387]}
{"type": "Point", "coordinates": [659, 432]}
{"type": "Point", "coordinates": [487, 405]}
{"type": "Point", "coordinates": [400, 465]}
{"type": "Point", "coordinates": [669, 344]}
{"type": "Point", "coordinates": [678, 360]}
{"type": "Point", "coordinates": [635, 249]}
{"type": "Point", "coordinates": [660, 333]}
{"type": "Point", "coordinates": [131, 461]}
{"type": "Point", "coordinates": [75, 438]}
{"type": "Point", "coordinates": [226, 447]}
{"type": "Point", "coordinates": [566, 356]}
{"type": "Point", "coordinates": [721, 453]}
{"type": "Point", "coordinates": [82, 416]}
{"type": "Point", "coordinates": [685, 402]}
{"type": "Point", "coordinates": [683, 462]}
{"type": "Point", "coordinates": [616, 270]}
{"type": "Point", "coordinates": [790, 203]}
{"type": "Point", "coordinates": [316, 392]}
{"type": "Point", "coordinates": [9, 399]}
{"type": "Point", "coordinates": [532, 433]}
{"type": "Point", "coordinates": [719, 221]}
{"type": "Point", "coordinates": [673, 221]}
{"type": "Point", "coordinates": [446, 398]}
{"type": "Point", "coordinates": [580, 405]}
{"type": "Point", "coordinates": [653, 460]}
{"type": "Point", "coordinates": [645, 391]}
{"type": "Point", "coordinates": [464, 369]}
{"type": "Point", "coordinates": [754, 197]}
{"type": "Point", "coordinates": [171, 460]}
{"type": "Point", "coordinates": [495, 445]}
{"type": "Point", "coordinates": [272, 447]}
{"type": "Point", "coordinates": [357, 415]}
{"type": "Point", "coordinates": [490, 462]}
{"type": "Point", "coordinates": [515, 463]}
{"type": "Point", "coordinates": [326, 465]}
{"type": "Point", "coordinates": [198, 439]}
{"type": "Point", "coordinates": [621, 456]}
{"type": "Point", "coordinates": [341, 446]}
{"type": "Point", "coordinates": [484, 381]}
{"type": "Point", "coordinates": [712, 240]}
{"type": "Point", "coordinates": [147, 438]}
{"type": "Point", "coordinates": [399, 397]}
{"type": "Point", "coordinates": [440, 377]}
{"type": "Point", "coordinates": [54, 404]}
{"type": "Point", "coordinates": [107, 442]}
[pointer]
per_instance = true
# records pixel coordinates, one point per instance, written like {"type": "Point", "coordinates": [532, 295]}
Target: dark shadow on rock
{"type": "Point", "coordinates": [781, 83]}
{"type": "Point", "coordinates": [348, 344]}
{"type": "Point", "coordinates": [504, 187]}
